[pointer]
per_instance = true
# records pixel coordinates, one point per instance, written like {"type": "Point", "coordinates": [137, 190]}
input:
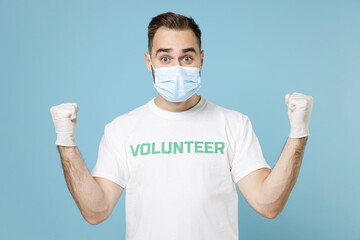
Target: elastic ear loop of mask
{"type": "Point", "coordinates": [151, 62]}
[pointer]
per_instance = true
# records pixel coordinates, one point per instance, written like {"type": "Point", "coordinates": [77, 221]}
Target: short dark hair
{"type": "Point", "coordinates": [172, 21]}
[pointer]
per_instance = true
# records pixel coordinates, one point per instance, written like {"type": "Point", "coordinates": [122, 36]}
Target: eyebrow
{"type": "Point", "coordinates": [185, 50]}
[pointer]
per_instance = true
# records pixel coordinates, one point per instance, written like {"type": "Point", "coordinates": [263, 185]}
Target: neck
{"type": "Point", "coordinates": [176, 106]}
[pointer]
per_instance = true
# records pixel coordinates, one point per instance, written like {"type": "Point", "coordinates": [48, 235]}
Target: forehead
{"type": "Point", "coordinates": [176, 39]}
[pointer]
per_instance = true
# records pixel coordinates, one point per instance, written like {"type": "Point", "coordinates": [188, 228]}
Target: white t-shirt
{"type": "Point", "coordinates": [180, 169]}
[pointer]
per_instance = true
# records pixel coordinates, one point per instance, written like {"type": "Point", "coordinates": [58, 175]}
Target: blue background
{"type": "Point", "coordinates": [92, 53]}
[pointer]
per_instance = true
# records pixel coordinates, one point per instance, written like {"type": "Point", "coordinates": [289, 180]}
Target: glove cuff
{"type": "Point", "coordinates": [299, 133]}
{"type": "Point", "coordinates": [65, 139]}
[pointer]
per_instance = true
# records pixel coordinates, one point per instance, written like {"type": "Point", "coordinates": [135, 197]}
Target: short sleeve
{"type": "Point", "coordinates": [248, 155]}
{"type": "Point", "coordinates": [111, 163]}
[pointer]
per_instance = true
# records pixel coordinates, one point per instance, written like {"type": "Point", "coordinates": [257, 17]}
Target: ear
{"type": "Point", "coordinates": [147, 61]}
{"type": "Point", "coordinates": [202, 58]}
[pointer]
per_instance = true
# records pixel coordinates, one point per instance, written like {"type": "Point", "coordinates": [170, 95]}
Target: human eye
{"type": "Point", "coordinates": [165, 59]}
{"type": "Point", "coordinates": [187, 59]}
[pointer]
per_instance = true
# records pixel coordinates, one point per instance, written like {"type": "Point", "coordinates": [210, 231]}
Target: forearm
{"type": "Point", "coordinates": [278, 185]}
{"type": "Point", "coordinates": [86, 192]}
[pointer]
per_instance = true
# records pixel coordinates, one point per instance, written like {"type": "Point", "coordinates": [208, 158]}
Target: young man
{"type": "Point", "coordinates": [179, 155]}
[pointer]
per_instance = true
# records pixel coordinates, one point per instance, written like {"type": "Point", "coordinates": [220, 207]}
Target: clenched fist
{"type": "Point", "coordinates": [64, 117]}
{"type": "Point", "coordinates": [299, 111]}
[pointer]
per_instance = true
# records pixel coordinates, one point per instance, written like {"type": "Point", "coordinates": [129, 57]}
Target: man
{"type": "Point", "coordinates": [179, 155]}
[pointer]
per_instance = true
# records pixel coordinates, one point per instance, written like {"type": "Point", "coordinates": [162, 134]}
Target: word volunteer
{"type": "Point", "coordinates": [178, 147]}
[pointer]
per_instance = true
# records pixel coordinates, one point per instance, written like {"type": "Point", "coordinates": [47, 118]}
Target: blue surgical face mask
{"type": "Point", "coordinates": [176, 83]}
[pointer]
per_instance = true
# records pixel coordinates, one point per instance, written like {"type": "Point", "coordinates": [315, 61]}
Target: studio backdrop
{"type": "Point", "coordinates": [92, 53]}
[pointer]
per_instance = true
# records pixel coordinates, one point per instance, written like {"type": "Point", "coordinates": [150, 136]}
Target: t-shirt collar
{"type": "Point", "coordinates": [177, 115]}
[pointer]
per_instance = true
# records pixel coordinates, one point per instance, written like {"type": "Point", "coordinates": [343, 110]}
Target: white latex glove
{"type": "Point", "coordinates": [299, 111]}
{"type": "Point", "coordinates": [65, 119]}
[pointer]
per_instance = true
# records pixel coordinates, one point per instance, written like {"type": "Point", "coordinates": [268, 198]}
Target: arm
{"type": "Point", "coordinates": [87, 193]}
{"type": "Point", "coordinates": [267, 191]}
{"type": "Point", "coordinates": [280, 182]}
{"type": "Point", "coordinates": [96, 197]}
{"type": "Point", "coordinates": [278, 185]}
